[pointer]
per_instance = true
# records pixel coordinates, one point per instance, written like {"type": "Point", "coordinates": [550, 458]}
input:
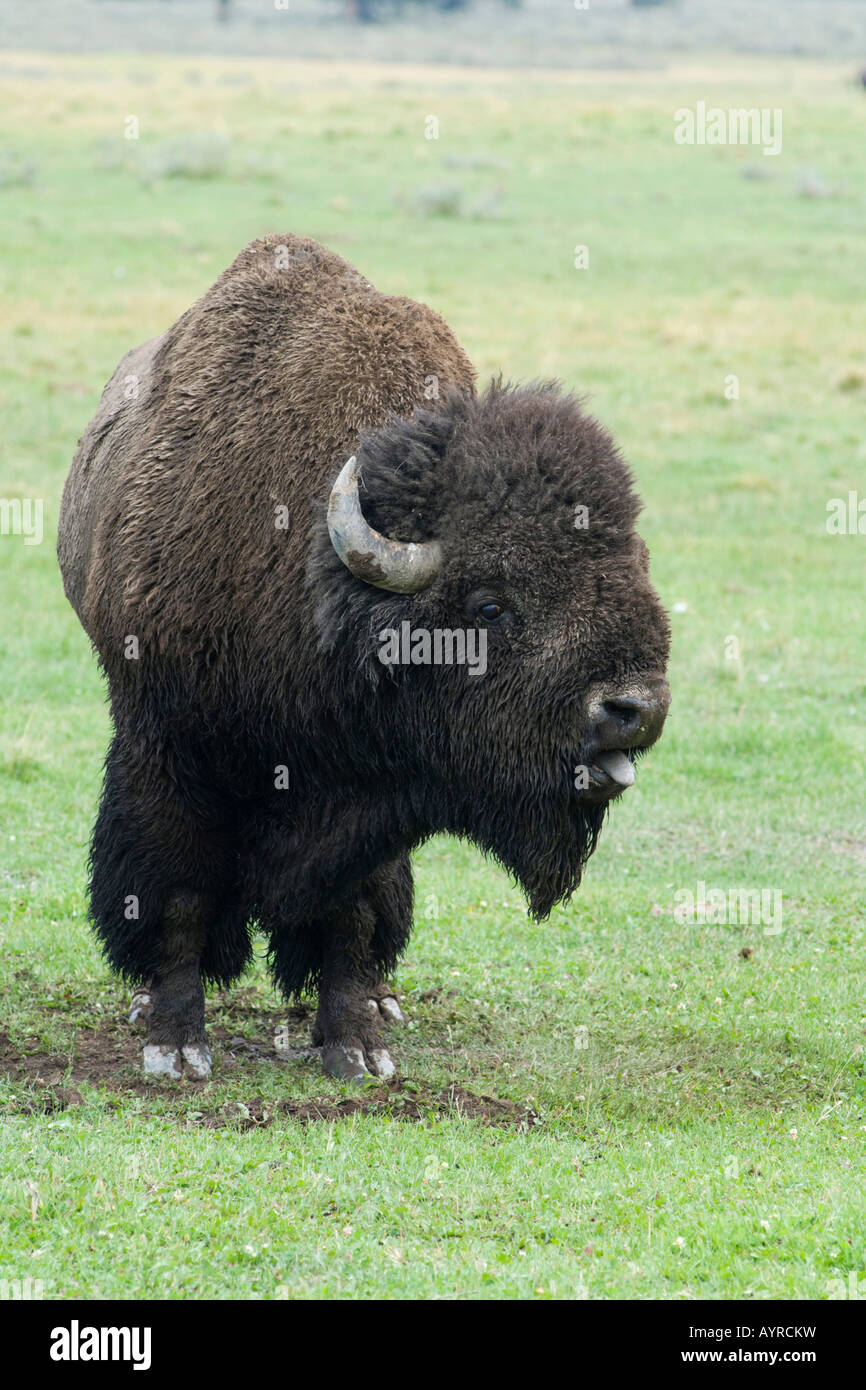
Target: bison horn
{"type": "Point", "coordinates": [399, 566]}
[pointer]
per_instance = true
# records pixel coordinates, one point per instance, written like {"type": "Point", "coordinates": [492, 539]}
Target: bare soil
{"type": "Point", "coordinates": [109, 1060]}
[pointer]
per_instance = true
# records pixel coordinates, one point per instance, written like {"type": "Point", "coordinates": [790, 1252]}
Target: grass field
{"type": "Point", "coordinates": [683, 1105]}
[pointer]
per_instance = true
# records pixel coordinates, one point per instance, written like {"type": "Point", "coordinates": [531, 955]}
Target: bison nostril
{"type": "Point", "coordinates": [625, 713]}
{"type": "Point", "coordinates": [628, 718]}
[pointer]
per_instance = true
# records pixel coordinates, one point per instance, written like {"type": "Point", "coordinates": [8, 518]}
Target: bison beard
{"type": "Point", "coordinates": [267, 770]}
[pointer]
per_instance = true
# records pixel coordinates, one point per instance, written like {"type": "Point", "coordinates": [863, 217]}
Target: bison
{"type": "Point", "coordinates": [296, 471]}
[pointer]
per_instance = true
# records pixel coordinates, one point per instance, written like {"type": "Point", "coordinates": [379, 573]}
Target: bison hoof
{"type": "Point", "coordinates": [386, 1008]}
{"type": "Point", "coordinates": [140, 1005]}
{"type": "Point", "coordinates": [160, 1059]}
{"type": "Point", "coordinates": [198, 1060]}
{"type": "Point", "coordinates": [194, 1059]}
{"type": "Point", "coordinates": [354, 1064]}
{"type": "Point", "coordinates": [390, 1010]}
{"type": "Point", "coordinates": [382, 1063]}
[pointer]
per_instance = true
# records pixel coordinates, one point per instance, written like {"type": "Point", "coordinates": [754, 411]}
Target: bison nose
{"type": "Point", "coordinates": [630, 718]}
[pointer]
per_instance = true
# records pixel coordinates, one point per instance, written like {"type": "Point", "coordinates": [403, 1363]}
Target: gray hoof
{"type": "Point", "coordinates": [198, 1060]}
{"type": "Point", "coordinates": [390, 1009]}
{"type": "Point", "coordinates": [162, 1060]}
{"type": "Point", "coordinates": [353, 1064]}
{"type": "Point", "coordinates": [344, 1063]}
{"type": "Point", "coordinates": [381, 1063]}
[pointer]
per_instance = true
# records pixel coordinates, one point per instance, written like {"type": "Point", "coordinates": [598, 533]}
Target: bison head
{"type": "Point", "coordinates": [508, 519]}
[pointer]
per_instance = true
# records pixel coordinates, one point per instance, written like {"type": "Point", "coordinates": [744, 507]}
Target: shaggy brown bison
{"type": "Point", "coordinates": [286, 521]}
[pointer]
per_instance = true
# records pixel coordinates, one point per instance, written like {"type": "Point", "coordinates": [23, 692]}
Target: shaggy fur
{"type": "Point", "coordinates": [193, 521]}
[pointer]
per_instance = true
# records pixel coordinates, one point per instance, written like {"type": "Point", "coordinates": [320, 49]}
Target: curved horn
{"type": "Point", "coordinates": [403, 567]}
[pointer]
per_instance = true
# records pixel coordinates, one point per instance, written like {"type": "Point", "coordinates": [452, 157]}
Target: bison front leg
{"type": "Point", "coordinates": [348, 954]}
{"type": "Point", "coordinates": [174, 1002]}
{"type": "Point", "coordinates": [359, 948]}
{"type": "Point", "coordinates": [353, 1002]}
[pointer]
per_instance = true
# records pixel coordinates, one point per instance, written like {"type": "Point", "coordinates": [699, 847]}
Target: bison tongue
{"type": "Point", "coordinates": [617, 767]}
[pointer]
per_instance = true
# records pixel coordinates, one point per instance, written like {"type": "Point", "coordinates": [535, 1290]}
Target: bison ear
{"type": "Point", "coordinates": [400, 471]}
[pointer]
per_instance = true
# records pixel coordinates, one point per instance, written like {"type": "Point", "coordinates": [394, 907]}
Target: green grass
{"type": "Point", "coordinates": [692, 1121]}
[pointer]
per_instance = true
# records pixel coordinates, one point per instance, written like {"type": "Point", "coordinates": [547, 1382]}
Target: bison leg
{"type": "Point", "coordinates": [348, 1025]}
{"type": "Point", "coordinates": [347, 955]}
{"type": "Point", "coordinates": [358, 950]}
{"type": "Point", "coordinates": [352, 1009]}
{"type": "Point", "coordinates": [176, 1039]}
{"type": "Point", "coordinates": [162, 894]}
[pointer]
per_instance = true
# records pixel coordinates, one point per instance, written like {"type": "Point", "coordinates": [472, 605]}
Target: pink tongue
{"type": "Point", "coordinates": [617, 767]}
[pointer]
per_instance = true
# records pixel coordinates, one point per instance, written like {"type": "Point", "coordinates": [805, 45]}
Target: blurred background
{"type": "Point", "coordinates": [512, 33]}
{"type": "Point", "coordinates": [489, 32]}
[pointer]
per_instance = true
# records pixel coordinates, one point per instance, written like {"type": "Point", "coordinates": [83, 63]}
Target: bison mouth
{"type": "Point", "coordinates": [611, 771]}
{"type": "Point", "coordinates": [621, 723]}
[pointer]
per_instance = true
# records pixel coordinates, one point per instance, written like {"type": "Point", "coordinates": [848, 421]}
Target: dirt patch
{"type": "Point", "coordinates": [112, 1058]}
{"type": "Point", "coordinates": [241, 1031]}
{"type": "Point", "coordinates": [111, 1062]}
{"type": "Point", "coordinates": [98, 1059]}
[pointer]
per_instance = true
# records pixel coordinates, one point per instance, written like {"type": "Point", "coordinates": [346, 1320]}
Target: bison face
{"type": "Point", "coordinates": [508, 521]}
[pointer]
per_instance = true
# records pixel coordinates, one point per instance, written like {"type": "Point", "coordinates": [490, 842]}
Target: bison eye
{"type": "Point", "coordinates": [486, 607]}
{"type": "Point", "coordinates": [491, 611]}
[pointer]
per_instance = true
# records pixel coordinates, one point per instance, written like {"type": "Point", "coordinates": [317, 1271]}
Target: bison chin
{"type": "Point", "coordinates": [546, 853]}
